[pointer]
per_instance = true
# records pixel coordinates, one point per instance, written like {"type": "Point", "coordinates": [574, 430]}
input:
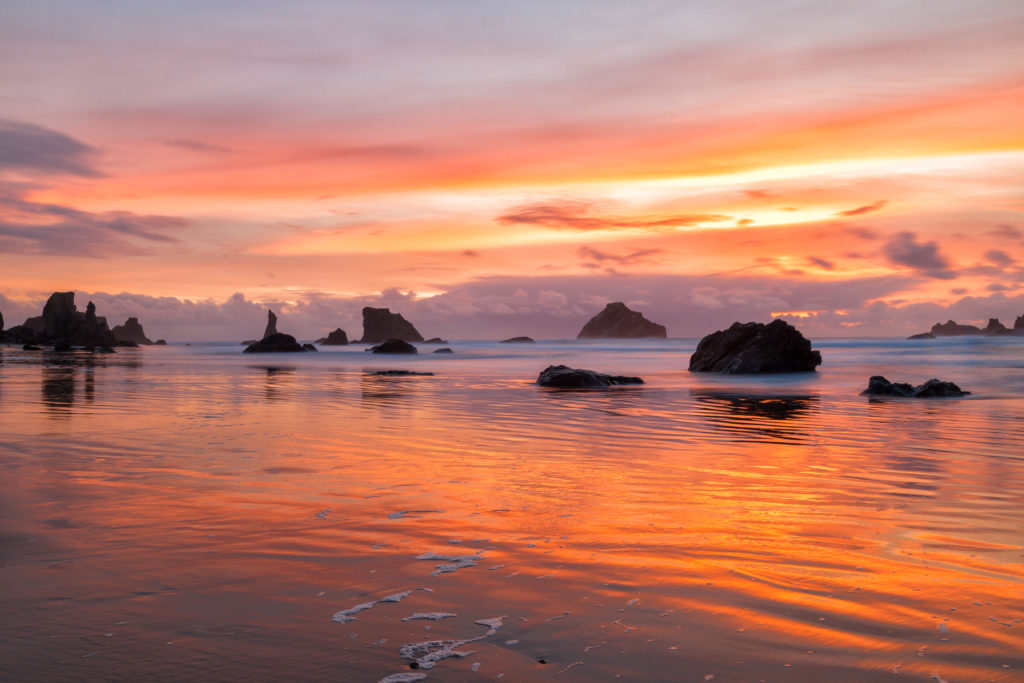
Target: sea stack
{"type": "Point", "coordinates": [131, 332]}
{"type": "Point", "coordinates": [335, 338]}
{"type": "Point", "coordinates": [271, 324]}
{"type": "Point", "coordinates": [747, 348]}
{"type": "Point", "coordinates": [617, 321]}
{"type": "Point", "coordinates": [380, 324]}
{"type": "Point", "coordinates": [63, 325]}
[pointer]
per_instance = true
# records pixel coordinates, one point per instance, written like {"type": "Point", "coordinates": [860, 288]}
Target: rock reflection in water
{"type": "Point", "coordinates": [755, 414]}
{"type": "Point", "coordinates": [58, 388]}
{"type": "Point", "coordinates": [382, 390]}
{"type": "Point", "coordinates": [277, 381]}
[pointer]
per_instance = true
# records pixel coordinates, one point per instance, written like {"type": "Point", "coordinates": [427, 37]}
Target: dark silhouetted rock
{"type": "Point", "coordinates": [562, 376]}
{"type": "Point", "coordinates": [249, 342]}
{"type": "Point", "coordinates": [125, 344]}
{"type": "Point", "coordinates": [19, 334]}
{"type": "Point", "coordinates": [62, 324]}
{"type": "Point", "coordinates": [517, 340]}
{"type": "Point", "coordinates": [2, 337]}
{"type": "Point", "coordinates": [1018, 324]}
{"type": "Point", "coordinates": [435, 340]}
{"type": "Point", "coordinates": [923, 335]}
{"type": "Point", "coordinates": [394, 346]}
{"type": "Point", "coordinates": [380, 324]}
{"type": "Point", "coordinates": [444, 350]}
{"type": "Point", "coordinates": [160, 342]}
{"type": "Point", "coordinates": [308, 347]}
{"type": "Point", "coordinates": [271, 324]}
{"type": "Point", "coordinates": [402, 373]}
{"type": "Point", "coordinates": [131, 331]}
{"type": "Point", "coordinates": [880, 386]}
{"type": "Point", "coordinates": [336, 338]}
{"type": "Point", "coordinates": [952, 329]}
{"type": "Point", "coordinates": [31, 347]}
{"type": "Point", "coordinates": [755, 348]}
{"type": "Point", "coordinates": [618, 322]}
{"type": "Point", "coordinates": [275, 343]}
{"type": "Point", "coordinates": [995, 328]}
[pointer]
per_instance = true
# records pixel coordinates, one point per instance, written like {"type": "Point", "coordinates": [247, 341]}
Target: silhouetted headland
{"type": "Point", "coordinates": [747, 348]}
{"type": "Point", "coordinates": [617, 321]}
{"type": "Point", "coordinates": [994, 328]}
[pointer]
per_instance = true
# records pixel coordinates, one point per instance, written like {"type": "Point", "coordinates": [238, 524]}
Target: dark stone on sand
{"type": "Point", "coordinates": [402, 373]}
{"type": "Point", "coordinates": [747, 348]}
{"type": "Point", "coordinates": [617, 321]}
{"type": "Point", "coordinates": [275, 343]}
{"type": "Point", "coordinates": [271, 324]}
{"type": "Point", "coordinates": [131, 331]}
{"type": "Point", "coordinates": [517, 340]}
{"type": "Point", "coordinates": [923, 335]}
{"type": "Point", "coordinates": [565, 377]}
{"type": "Point", "coordinates": [308, 347]}
{"type": "Point", "coordinates": [435, 340]}
{"type": "Point", "coordinates": [335, 338]}
{"type": "Point", "coordinates": [880, 386]}
{"type": "Point", "coordinates": [380, 324]}
{"type": "Point", "coordinates": [394, 346]}
{"type": "Point", "coordinates": [444, 350]}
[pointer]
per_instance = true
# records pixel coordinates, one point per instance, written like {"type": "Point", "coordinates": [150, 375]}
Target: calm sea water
{"type": "Point", "coordinates": [195, 513]}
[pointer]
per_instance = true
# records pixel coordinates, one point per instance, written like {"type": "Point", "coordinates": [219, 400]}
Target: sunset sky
{"type": "Point", "coordinates": [494, 168]}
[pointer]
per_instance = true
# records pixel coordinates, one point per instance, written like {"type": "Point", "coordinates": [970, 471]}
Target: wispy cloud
{"type": "Point", "coordinates": [903, 249]}
{"type": "Point", "coordinates": [28, 147]}
{"type": "Point", "coordinates": [861, 210]}
{"type": "Point", "coordinates": [573, 215]}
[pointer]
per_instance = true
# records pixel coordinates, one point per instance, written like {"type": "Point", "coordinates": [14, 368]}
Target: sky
{"type": "Point", "coordinates": [492, 168]}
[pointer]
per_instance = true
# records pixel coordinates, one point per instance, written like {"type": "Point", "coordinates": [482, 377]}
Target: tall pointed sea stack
{"type": "Point", "coordinates": [271, 324]}
{"type": "Point", "coordinates": [62, 324]}
{"type": "Point", "coordinates": [380, 324]}
{"type": "Point", "coordinates": [617, 321]}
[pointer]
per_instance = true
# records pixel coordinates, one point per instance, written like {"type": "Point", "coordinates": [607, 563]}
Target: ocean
{"type": "Point", "coordinates": [196, 513]}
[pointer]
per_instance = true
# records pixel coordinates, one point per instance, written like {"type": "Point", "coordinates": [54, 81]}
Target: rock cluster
{"type": "Point", "coordinates": [617, 321]}
{"type": "Point", "coordinates": [880, 386]}
{"type": "Point", "coordinates": [380, 324]}
{"type": "Point", "coordinates": [748, 348]}
{"type": "Point", "coordinates": [994, 328]}
{"type": "Point", "coordinates": [63, 326]}
{"type": "Point", "coordinates": [335, 338]}
{"type": "Point", "coordinates": [564, 377]}
{"type": "Point", "coordinates": [131, 332]}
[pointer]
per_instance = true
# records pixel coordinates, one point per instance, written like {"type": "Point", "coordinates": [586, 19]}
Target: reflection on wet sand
{"type": "Point", "coordinates": [388, 390]}
{"type": "Point", "coordinates": [277, 381]}
{"type": "Point", "coordinates": [750, 414]}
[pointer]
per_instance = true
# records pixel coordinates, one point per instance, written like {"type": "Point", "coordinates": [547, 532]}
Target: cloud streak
{"type": "Point", "coordinates": [28, 147]}
{"type": "Point", "coordinates": [573, 215]}
{"type": "Point", "coordinates": [903, 249]}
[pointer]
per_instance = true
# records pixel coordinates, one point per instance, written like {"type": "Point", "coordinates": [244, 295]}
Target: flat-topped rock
{"type": "Point", "coordinates": [880, 386]}
{"type": "Point", "coordinates": [380, 324]}
{"type": "Point", "coordinates": [517, 340]}
{"type": "Point", "coordinates": [276, 343]}
{"type": "Point", "coordinates": [394, 346]}
{"type": "Point", "coordinates": [749, 348]}
{"type": "Point", "coordinates": [564, 377]}
{"type": "Point", "coordinates": [617, 321]}
{"type": "Point", "coordinates": [335, 338]}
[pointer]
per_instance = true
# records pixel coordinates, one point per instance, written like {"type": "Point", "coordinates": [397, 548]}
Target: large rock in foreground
{"type": "Point", "coordinates": [336, 338]}
{"type": "Point", "coordinates": [564, 377]}
{"type": "Point", "coordinates": [380, 324]}
{"type": "Point", "coordinates": [394, 346]}
{"type": "Point", "coordinates": [880, 386]}
{"type": "Point", "coordinates": [276, 343]}
{"type": "Point", "coordinates": [63, 325]}
{"type": "Point", "coordinates": [747, 348]}
{"type": "Point", "coordinates": [132, 332]}
{"type": "Point", "coordinates": [616, 321]}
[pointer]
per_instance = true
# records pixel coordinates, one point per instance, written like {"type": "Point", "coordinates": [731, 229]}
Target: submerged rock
{"type": "Point", "coordinates": [880, 386]}
{"type": "Point", "coordinates": [517, 340]}
{"type": "Point", "coordinates": [617, 321]}
{"type": "Point", "coordinates": [308, 347]}
{"type": "Point", "coordinates": [275, 343]}
{"type": "Point", "coordinates": [565, 377]}
{"type": "Point", "coordinates": [747, 348]}
{"type": "Point", "coordinates": [401, 373]}
{"type": "Point", "coordinates": [444, 350]}
{"type": "Point", "coordinates": [380, 324]}
{"type": "Point", "coordinates": [394, 346]}
{"type": "Point", "coordinates": [131, 331]}
{"type": "Point", "coordinates": [335, 338]}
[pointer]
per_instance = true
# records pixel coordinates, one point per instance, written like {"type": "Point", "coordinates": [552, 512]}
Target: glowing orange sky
{"type": "Point", "coordinates": [341, 152]}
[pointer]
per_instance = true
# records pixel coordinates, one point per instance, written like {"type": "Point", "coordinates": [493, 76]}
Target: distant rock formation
{"type": "Point", "coordinates": [64, 326]}
{"type": "Point", "coordinates": [435, 340]}
{"type": "Point", "coordinates": [336, 338]}
{"type": "Point", "coordinates": [617, 321]}
{"type": "Point", "coordinates": [160, 342]}
{"type": "Point", "coordinates": [276, 343]}
{"type": "Point", "coordinates": [755, 348]}
{"type": "Point", "coordinates": [880, 386]}
{"type": "Point", "coordinates": [954, 329]}
{"type": "Point", "coordinates": [394, 346]}
{"type": "Point", "coordinates": [444, 350]}
{"type": "Point", "coordinates": [517, 340]}
{"type": "Point", "coordinates": [2, 336]}
{"type": "Point", "coordinates": [380, 324]}
{"type": "Point", "coordinates": [564, 377]}
{"type": "Point", "coordinates": [308, 347]}
{"type": "Point", "coordinates": [131, 331]}
{"type": "Point", "coordinates": [271, 324]}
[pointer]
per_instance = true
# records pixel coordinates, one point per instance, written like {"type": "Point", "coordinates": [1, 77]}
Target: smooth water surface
{"type": "Point", "coordinates": [195, 512]}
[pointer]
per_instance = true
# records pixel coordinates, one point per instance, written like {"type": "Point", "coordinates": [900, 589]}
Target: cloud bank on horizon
{"type": "Point", "coordinates": [512, 167]}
